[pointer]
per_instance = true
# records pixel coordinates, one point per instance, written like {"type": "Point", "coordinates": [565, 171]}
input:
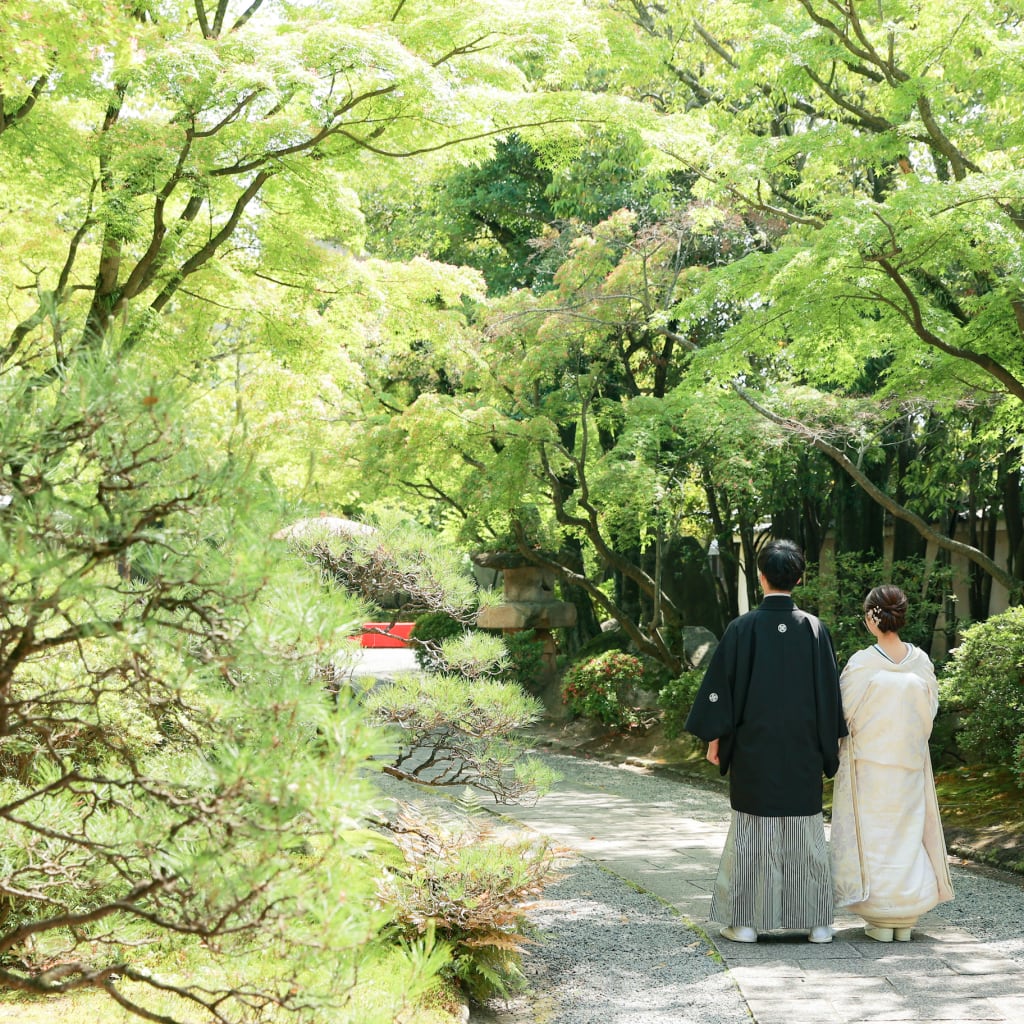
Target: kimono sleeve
{"type": "Point", "coordinates": [831, 720]}
{"type": "Point", "coordinates": [711, 717]}
{"type": "Point", "coordinates": [928, 674]}
{"type": "Point", "coordinates": [854, 683]}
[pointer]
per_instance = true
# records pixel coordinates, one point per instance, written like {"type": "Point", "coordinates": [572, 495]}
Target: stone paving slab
{"type": "Point", "coordinates": [980, 965]}
{"type": "Point", "coordinates": [1011, 1008]}
{"type": "Point", "coordinates": [666, 837]}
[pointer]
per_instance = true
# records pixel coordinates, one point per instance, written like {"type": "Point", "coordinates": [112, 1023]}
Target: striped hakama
{"type": "Point", "coordinates": [774, 874]}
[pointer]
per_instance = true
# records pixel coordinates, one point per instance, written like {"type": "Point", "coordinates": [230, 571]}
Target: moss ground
{"type": "Point", "coordinates": [983, 815]}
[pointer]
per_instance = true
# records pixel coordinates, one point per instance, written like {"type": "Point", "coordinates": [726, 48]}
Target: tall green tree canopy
{"type": "Point", "coordinates": [850, 187]}
{"type": "Point", "coordinates": [185, 298]}
{"type": "Point", "coordinates": [188, 177]}
{"type": "Point", "coordinates": [160, 157]}
{"type": "Point", "coordinates": [885, 141]}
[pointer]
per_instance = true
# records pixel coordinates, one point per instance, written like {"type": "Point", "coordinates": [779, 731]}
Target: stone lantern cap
{"type": "Point", "coordinates": [502, 560]}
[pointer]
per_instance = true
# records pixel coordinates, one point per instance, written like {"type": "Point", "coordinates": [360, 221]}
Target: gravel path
{"type": "Point", "coordinates": [610, 954]}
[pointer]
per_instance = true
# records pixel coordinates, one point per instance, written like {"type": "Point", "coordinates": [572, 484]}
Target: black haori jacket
{"type": "Point", "coordinates": [771, 698]}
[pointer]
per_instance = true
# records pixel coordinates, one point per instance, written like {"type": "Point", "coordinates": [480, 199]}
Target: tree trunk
{"type": "Point", "coordinates": [587, 625]}
{"type": "Point", "coordinates": [859, 522]}
{"type": "Point", "coordinates": [906, 541]}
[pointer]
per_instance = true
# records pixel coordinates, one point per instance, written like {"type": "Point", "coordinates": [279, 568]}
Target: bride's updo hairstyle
{"type": "Point", "coordinates": [886, 606]}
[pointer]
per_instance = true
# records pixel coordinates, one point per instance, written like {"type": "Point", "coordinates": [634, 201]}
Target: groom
{"type": "Point", "coordinates": [770, 710]}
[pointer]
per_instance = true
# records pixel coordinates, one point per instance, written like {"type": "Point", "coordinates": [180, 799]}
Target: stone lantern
{"type": "Point", "coordinates": [529, 603]}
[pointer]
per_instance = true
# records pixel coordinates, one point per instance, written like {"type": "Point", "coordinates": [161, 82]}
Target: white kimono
{"type": "Point", "coordinates": [887, 848]}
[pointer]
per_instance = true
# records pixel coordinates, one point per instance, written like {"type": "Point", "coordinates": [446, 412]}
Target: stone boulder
{"type": "Point", "coordinates": [699, 644]}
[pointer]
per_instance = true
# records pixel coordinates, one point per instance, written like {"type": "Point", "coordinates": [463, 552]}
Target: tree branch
{"type": "Point", "coordinates": [126, 903]}
{"type": "Point", "coordinates": [473, 46]}
{"type": "Point", "coordinates": [652, 645]}
{"type": "Point", "coordinates": [201, 256]}
{"type": "Point", "coordinates": [863, 52]}
{"type": "Point", "coordinates": [864, 118]}
{"type": "Point", "coordinates": [204, 24]}
{"type": "Point", "coordinates": [150, 262]}
{"type": "Point", "coordinates": [1013, 585]}
{"type": "Point", "coordinates": [938, 138]}
{"type": "Point", "coordinates": [10, 120]}
{"type": "Point", "coordinates": [714, 44]}
{"type": "Point", "coordinates": [246, 15]}
{"type": "Point", "coordinates": [504, 130]}
{"type": "Point", "coordinates": [915, 317]}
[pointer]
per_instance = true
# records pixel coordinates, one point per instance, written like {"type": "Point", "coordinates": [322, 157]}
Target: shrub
{"type": "Point", "coordinates": [657, 675]}
{"type": "Point", "coordinates": [459, 881]}
{"type": "Point", "coordinates": [675, 700]}
{"type": "Point", "coordinates": [984, 682]}
{"type": "Point", "coordinates": [429, 631]}
{"type": "Point", "coordinates": [599, 688]}
{"type": "Point", "coordinates": [525, 659]}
